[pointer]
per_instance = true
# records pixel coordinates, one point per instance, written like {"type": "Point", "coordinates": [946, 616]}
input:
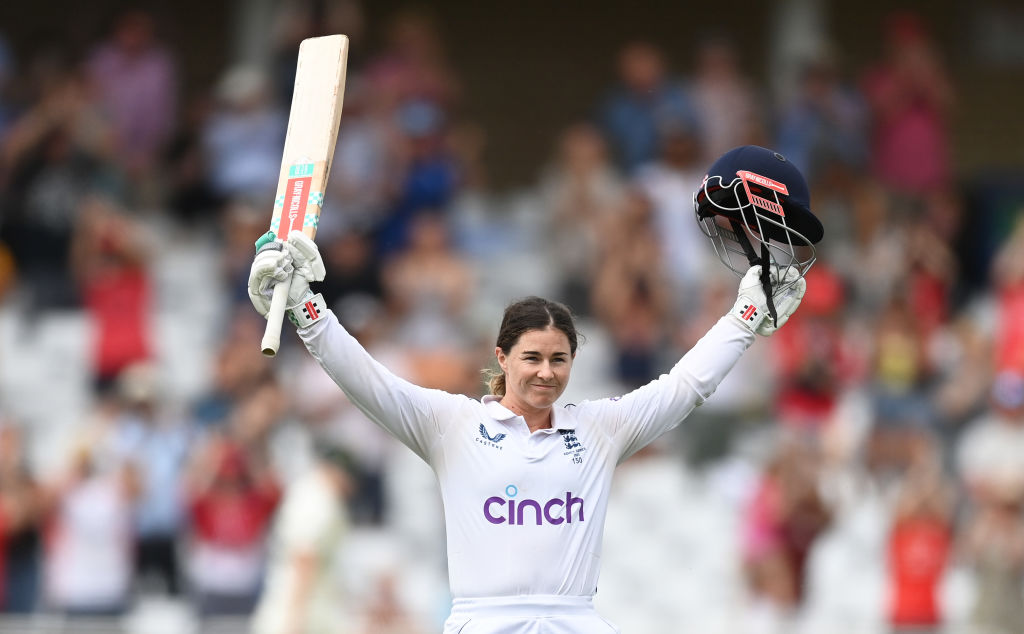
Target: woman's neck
{"type": "Point", "coordinates": [535, 418]}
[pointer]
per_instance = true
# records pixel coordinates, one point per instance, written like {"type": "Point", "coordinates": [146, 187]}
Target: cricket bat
{"type": "Point", "coordinates": [308, 149]}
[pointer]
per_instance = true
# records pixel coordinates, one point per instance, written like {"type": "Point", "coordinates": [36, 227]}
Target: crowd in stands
{"type": "Point", "coordinates": [898, 385]}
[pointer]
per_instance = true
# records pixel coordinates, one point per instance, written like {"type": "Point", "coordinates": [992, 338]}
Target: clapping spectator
{"type": "Point", "coordinates": [919, 546]}
{"type": "Point", "coordinates": [110, 259]}
{"type": "Point", "coordinates": [232, 494]}
{"type": "Point", "coordinates": [911, 99]}
{"type": "Point", "coordinates": [89, 562]}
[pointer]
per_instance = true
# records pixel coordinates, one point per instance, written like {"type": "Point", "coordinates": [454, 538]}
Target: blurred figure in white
{"type": "Point", "coordinates": [581, 192]}
{"type": "Point", "coordinates": [89, 549]}
{"type": "Point", "coordinates": [668, 182]}
{"type": "Point", "coordinates": [994, 546]}
{"type": "Point", "coordinates": [992, 448]}
{"type": "Point", "coordinates": [301, 594]}
{"type": "Point", "coordinates": [244, 136]}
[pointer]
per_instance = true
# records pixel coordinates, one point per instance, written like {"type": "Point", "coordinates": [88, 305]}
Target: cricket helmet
{"type": "Point", "coordinates": [755, 207]}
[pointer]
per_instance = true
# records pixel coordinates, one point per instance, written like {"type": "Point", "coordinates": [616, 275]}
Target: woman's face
{"type": "Point", "coordinates": [536, 370]}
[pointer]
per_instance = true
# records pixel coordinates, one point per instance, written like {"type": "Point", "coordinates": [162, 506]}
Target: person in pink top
{"type": "Point", "coordinates": [910, 98]}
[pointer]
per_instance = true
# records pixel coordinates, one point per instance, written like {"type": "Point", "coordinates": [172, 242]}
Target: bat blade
{"type": "Point", "coordinates": [306, 161]}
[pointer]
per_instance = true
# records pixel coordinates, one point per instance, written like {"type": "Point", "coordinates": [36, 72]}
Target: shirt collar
{"type": "Point", "coordinates": [559, 415]}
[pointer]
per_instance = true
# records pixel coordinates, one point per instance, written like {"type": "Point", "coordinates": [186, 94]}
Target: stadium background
{"type": "Point", "coordinates": [850, 465]}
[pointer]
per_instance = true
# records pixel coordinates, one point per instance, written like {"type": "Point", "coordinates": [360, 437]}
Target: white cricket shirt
{"type": "Point", "coordinates": [524, 512]}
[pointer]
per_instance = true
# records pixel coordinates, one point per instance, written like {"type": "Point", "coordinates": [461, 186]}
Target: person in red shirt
{"type": "Point", "coordinates": [108, 254]}
{"type": "Point", "coordinates": [232, 497]}
{"type": "Point", "coordinates": [920, 541]}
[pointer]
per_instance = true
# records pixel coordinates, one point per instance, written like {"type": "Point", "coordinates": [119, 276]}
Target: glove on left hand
{"type": "Point", "coordinates": [750, 308]}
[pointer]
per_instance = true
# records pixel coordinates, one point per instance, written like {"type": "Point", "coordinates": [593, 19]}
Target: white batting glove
{"type": "Point", "coordinates": [751, 307]}
{"type": "Point", "coordinates": [276, 261]}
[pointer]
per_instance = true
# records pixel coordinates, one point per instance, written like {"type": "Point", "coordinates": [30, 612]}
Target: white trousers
{"type": "Point", "coordinates": [533, 614]}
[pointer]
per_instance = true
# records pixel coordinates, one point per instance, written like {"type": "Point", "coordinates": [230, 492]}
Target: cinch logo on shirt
{"type": "Point", "coordinates": [507, 510]}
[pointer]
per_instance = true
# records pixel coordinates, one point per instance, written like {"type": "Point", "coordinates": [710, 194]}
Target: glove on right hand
{"type": "Point", "coordinates": [298, 257]}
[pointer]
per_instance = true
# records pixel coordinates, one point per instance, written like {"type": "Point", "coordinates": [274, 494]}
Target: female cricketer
{"type": "Point", "coordinates": [525, 483]}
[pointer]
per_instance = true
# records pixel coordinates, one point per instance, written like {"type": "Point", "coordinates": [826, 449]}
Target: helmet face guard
{"type": "Point", "coordinates": [746, 221]}
{"type": "Point", "coordinates": [754, 205]}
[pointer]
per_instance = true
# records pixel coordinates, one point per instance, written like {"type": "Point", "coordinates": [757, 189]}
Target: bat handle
{"type": "Point", "coordinates": [272, 335]}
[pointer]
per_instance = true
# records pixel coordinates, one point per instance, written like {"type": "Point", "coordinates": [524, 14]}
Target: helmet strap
{"type": "Point", "coordinates": [766, 281]}
{"type": "Point", "coordinates": [764, 261]}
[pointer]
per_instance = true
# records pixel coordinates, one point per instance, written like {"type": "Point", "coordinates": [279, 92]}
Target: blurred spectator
{"type": "Point", "coordinates": [991, 449]}
{"type": "Point", "coordinates": [352, 270]}
{"type": "Point", "coordinates": [303, 593]}
{"type": "Point", "coordinates": [431, 176]}
{"type": "Point", "coordinates": [964, 377]}
{"type": "Point", "coordinates": [669, 182]}
{"type": "Point", "coordinates": [232, 496]}
{"type": "Point", "coordinates": [238, 370]}
{"type": "Point", "coordinates": [780, 525]}
{"type": "Point", "coordinates": [899, 379]}
{"type": "Point", "coordinates": [427, 286]}
{"type": "Point", "coordinates": [993, 544]}
{"type": "Point", "coordinates": [21, 509]}
{"type": "Point", "coordinates": [55, 155]}
{"type": "Point", "coordinates": [931, 276]}
{"type": "Point", "coordinates": [1008, 280]}
{"type": "Point", "coordinates": [368, 159]}
{"type": "Point", "coordinates": [243, 136]}
{"type": "Point", "coordinates": [645, 98]}
{"type": "Point", "coordinates": [911, 99]}
{"type": "Point", "coordinates": [810, 357]}
{"type": "Point", "coordinates": [870, 253]}
{"type": "Point", "coordinates": [89, 561]}
{"type": "Point", "coordinates": [135, 78]}
{"type": "Point", "coordinates": [414, 65]}
{"type": "Point", "coordinates": [385, 613]}
{"type": "Point", "coordinates": [630, 292]}
{"type": "Point", "coordinates": [581, 192]}
{"type": "Point", "coordinates": [920, 541]}
{"type": "Point", "coordinates": [825, 123]}
{"type": "Point", "coordinates": [157, 446]}
{"type": "Point", "coordinates": [109, 255]}
{"type": "Point", "coordinates": [727, 107]}
{"type": "Point", "coordinates": [190, 194]}
{"type": "Point", "coordinates": [296, 20]}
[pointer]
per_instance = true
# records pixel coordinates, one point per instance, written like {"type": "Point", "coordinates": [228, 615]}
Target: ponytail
{"type": "Point", "coordinates": [495, 381]}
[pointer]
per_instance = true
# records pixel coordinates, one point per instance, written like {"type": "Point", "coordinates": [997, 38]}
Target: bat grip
{"type": "Point", "coordinates": [272, 335]}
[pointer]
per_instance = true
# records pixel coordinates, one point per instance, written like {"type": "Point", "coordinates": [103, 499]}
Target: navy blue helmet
{"type": "Point", "coordinates": [755, 207]}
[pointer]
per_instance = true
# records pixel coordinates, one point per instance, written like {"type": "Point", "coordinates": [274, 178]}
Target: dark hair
{"type": "Point", "coordinates": [531, 313]}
